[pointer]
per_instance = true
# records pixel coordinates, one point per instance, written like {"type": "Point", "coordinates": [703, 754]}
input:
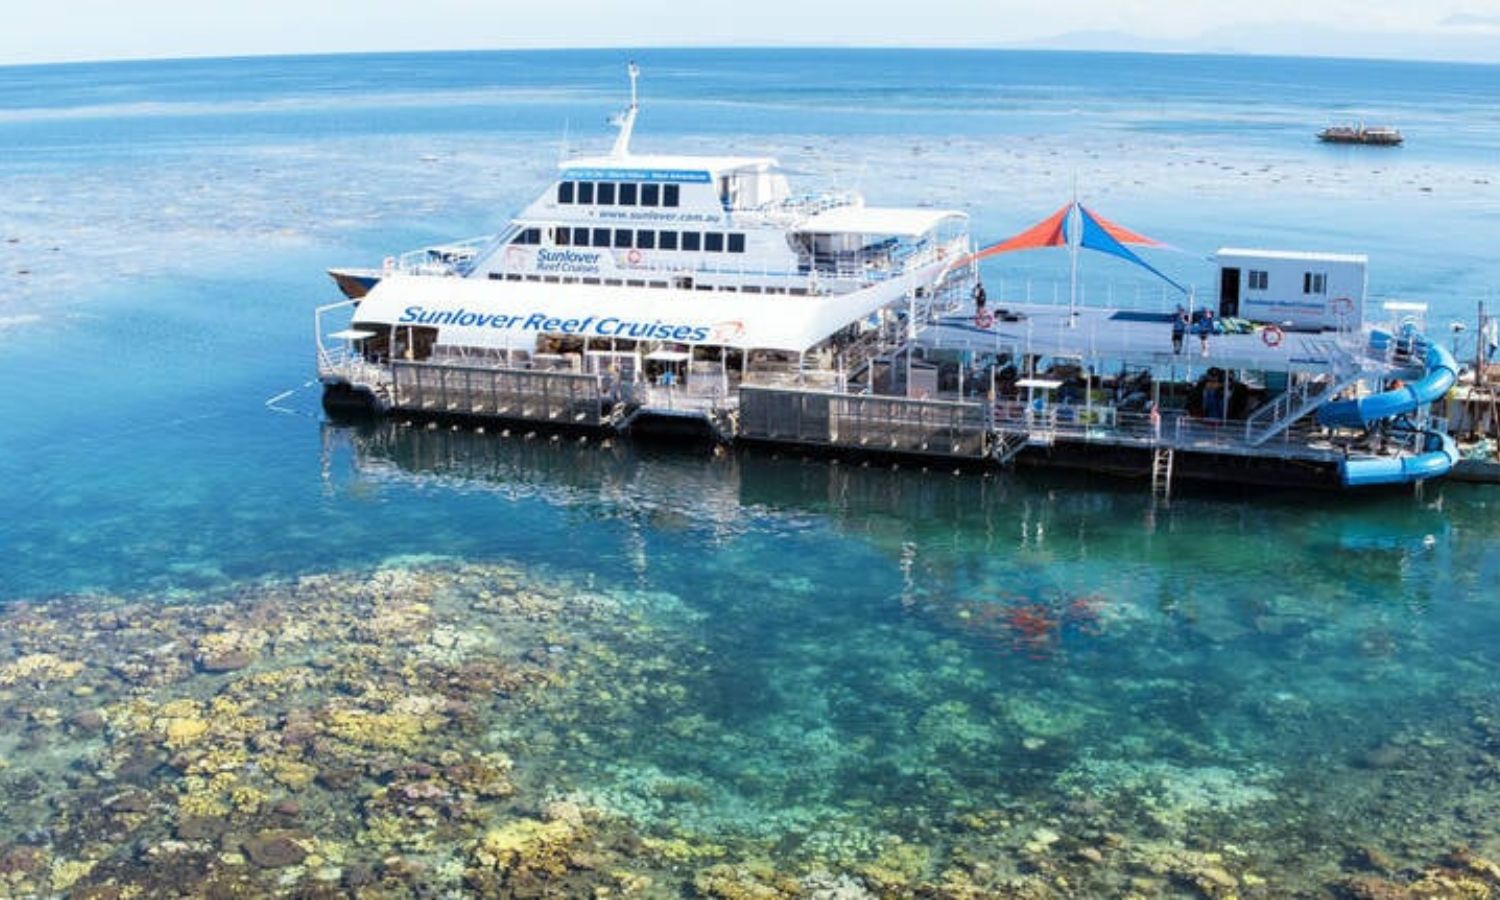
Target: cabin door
{"type": "Point", "coordinates": [1229, 293]}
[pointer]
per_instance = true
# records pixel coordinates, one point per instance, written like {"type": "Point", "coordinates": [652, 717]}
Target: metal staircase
{"type": "Point", "coordinates": [1286, 410]}
{"type": "Point", "coordinates": [1161, 473]}
{"type": "Point", "coordinates": [1008, 445]}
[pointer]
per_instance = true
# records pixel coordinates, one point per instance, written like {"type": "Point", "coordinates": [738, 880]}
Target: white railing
{"type": "Point", "coordinates": [1108, 425]}
{"type": "Point", "coordinates": [443, 259]}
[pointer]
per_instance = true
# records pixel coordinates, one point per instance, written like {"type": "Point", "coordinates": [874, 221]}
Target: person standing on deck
{"type": "Point", "coordinates": [1205, 328]}
{"type": "Point", "coordinates": [1179, 328]}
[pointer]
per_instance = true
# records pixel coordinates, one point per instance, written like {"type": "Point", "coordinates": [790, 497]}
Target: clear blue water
{"type": "Point", "coordinates": [1265, 684]}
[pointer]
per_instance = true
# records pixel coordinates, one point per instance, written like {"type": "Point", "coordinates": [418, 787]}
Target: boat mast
{"type": "Point", "coordinates": [626, 120]}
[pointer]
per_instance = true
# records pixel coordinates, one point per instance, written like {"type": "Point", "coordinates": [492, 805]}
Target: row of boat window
{"type": "Point", "coordinates": [638, 239]}
{"type": "Point", "coordinates": [611, 193]}
{"type": "Point", "coordinates": [680, 283]}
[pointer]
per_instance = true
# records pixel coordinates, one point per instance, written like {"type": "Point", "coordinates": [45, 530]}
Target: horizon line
{"type": "Point", "coordinates": [1029, 47]}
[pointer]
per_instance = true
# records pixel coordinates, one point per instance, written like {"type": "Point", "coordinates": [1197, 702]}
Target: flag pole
{"type": "Point", "coordinates": [1074, 234]}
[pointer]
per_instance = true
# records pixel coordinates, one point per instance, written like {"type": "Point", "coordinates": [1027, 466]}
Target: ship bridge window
{"type": "Point", "coordinates": [667, 240]}
{"type": "Point", "coordinates": [713, 242]}
{"type": "Point", "coordinates": [736, 243]}
{"type": "Point", "coordinates": [646, 240]}
{"type": "Point", "coordinates": [601, 237]}
{"type": "Point", "coordinates": [691, 241]}
{"type": "Point", "coordinates": [623, 237]}
{"type": "Point", "coordinates": [669, 194]}
{"type": "Point", "coordinates": [604, 193]}
{"type": "Point", "coordinates": [1260, 279]}
{"type": "Point", "coordinates": [1314, 283]}
{"type": "Point", "coordinates": [650, 195]}
{"type": "Point", "coordinates": [628, 194]}
{"type": "Point", "coordinates": [585, 192]}
{"type": "Point", "coordinates": [528, 236]}
{"type": "Point", "coordinates": [561, 237]}
{"type": "Point", "coordinates": [580, 237]}
{"type": "Point", "coordinates": [565, 192]}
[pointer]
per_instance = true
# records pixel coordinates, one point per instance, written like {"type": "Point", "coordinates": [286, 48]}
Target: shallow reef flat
{"type": "Point", "coordinates": [431, 728]}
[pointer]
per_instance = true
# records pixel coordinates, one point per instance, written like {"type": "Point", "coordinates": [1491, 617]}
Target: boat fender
{"type": "Point", "coordinates": [983, 318]}
{"type": "Point", "coordinates": [633, 257]}
{"type": "Point", "coordinates": [1272, 335]}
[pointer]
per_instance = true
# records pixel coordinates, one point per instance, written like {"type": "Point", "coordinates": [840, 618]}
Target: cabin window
{"type": "Point", "coordinates": [605, 193]}
{"type": "Point", "coordinates": [565, 192]}
{"type": "Point", "coordinates": [651, 195]}
{"type": "Point", "coordinates": [713, 242]}
{"type": "Point", "coordinates": [1260, 280]}
{"type": "Point", "coordinates": [1314, 283]}
{"type": "Point", "coordinates": [669, 194]}
{"type": "Point", "coordinates": [691, 241]}
{"type": "Point", "coordinates": [585, 192]}
{"type": "Point", "coordinates": [628, 194]}
{"type": "Point", "coordinates": [562, 236]}
{"type": "Point", "coordinates": [580, 237]}
{"type": "Point", "coordinates": [667, 240]}
{"type": "Point", "coordinates": [622, 237]}
{"type": "Point", "coordinates": [736, 243]}
{"type": "Point", "coordinates": [601, 237]}
{"type": "Point", "coordinates": [528, 236]}
{"type": "Point", "coordinates": [646, 240]}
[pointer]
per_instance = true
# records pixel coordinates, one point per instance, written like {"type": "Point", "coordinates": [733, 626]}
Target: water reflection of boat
{"type": "Point", "coordinates": [1380, 135]}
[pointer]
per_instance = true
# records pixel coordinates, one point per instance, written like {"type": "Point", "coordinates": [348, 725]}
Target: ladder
{"type": "Point", "coordinates": [1161, 473]}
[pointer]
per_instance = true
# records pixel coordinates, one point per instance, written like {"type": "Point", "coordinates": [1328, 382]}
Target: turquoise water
{"type": "Point", "coordinates": [748, 671]}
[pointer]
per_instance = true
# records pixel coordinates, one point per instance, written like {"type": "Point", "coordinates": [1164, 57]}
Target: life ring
{"type": "Point", "coordinates": [633, 257]}
{"type": "Point", "coordinates": [983, 319]}
{"type": "Point", "coordinates": [1272, 335]}
{"type": "Point", "coordinates": [1341, 306]}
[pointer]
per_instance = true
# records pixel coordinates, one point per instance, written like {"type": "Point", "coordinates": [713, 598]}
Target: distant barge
{"type": "Point", "coordinates": [1380, 136]}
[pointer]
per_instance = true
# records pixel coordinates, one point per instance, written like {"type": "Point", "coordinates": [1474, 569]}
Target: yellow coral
{"type": "Point", "coordinates": [66, 872]}
{"type": "Point", "coordinates": [39, 668]}
{"type": "Point", "coordinates": [180, 732]}
{"type": "Point", "coordinates": [290, 773]}
{"type": "Point", "coordinates": [247, 799]}
{"type": "Point", "coordinates": [530, 844]}
{"type": "Point", "coordinates": [679, 850]}
{"type": "Point", "coordinates": [386, 731]}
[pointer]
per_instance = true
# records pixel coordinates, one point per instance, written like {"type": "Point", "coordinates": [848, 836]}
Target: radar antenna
{"type": "Point", "coordinates": [626, 120]}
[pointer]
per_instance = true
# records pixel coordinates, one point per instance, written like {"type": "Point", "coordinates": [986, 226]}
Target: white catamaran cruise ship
{"type": "Point", "coordinates": [637, 285]}
{"type": "Point", "coordinates": [646, 292]}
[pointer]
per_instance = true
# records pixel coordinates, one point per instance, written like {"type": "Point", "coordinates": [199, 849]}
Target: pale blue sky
{"type": "Point", "coordinates": [110, 29]}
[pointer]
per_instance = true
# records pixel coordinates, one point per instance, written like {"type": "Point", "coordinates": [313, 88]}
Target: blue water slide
{"type": "Point", "coordinates": [1439, 455]}
{"type": "Point", "coordinates": [1442, 372]}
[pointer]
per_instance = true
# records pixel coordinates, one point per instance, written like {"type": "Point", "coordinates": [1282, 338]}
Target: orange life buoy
{"type": "Point", "coordinates": [1272, 335]}
{"type": "Point", "coordinates": [983, 318]}
{"type": "Point", "coordinates": [633, 257]}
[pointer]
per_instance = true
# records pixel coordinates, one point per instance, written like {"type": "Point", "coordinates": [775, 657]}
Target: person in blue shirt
{"type": "Point", "coordinates": [1205, 328]}
{"type": "Point", "coordinates": [1179, 328]}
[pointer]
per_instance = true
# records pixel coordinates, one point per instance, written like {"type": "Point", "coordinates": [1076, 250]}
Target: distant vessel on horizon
{"type": "Point", "coordinates": [1381, 135]}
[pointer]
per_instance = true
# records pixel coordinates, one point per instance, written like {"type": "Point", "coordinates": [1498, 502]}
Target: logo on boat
{"type": "Point", "coordinates": [566, 261]}
{"type": "Point", "coordinates": [726, 332]}
{"type": "Point", "coordinates": [592, 326]}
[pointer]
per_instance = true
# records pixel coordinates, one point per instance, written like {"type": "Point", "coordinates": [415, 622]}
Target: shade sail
{"type": "Point", "coordinates": [1095, 233]}
{"type": "Point", "coordinates": [1047, 233]}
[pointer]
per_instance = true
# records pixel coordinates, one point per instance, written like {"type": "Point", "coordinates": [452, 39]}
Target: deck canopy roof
{"type": "Point", "coordinates": [511, 315]}
{"type": "Point", "coordinates": [877, 220]}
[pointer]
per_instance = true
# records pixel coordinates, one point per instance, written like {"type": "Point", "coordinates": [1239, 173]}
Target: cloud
{"type": "Point", "coordinates": [1470, 20]}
